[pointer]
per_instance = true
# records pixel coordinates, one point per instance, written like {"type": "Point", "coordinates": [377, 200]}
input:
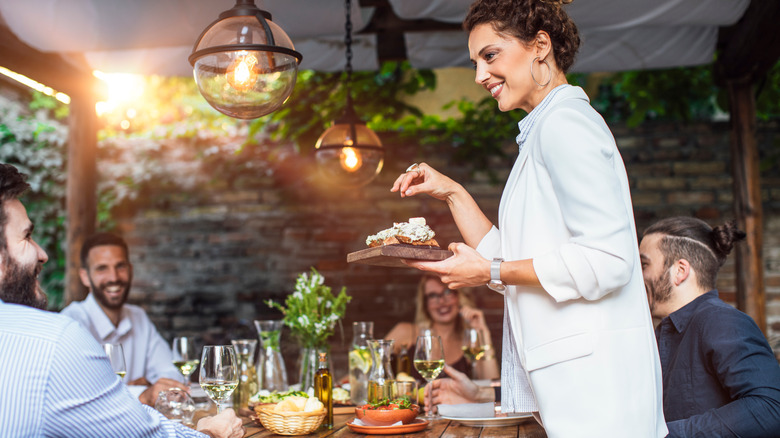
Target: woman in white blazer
{"type": "Point", "coordinates": [578, 343]}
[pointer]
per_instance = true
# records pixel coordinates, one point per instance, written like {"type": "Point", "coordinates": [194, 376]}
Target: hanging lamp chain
{"type": "Point", "coordinates": [348, 40]}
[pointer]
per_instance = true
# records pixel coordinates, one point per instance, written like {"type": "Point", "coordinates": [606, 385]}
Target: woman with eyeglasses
{"type": "Point", "coordinates": [447, 313]}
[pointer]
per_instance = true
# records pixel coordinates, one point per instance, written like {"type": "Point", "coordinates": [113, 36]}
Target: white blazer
{"type": "Point", "coordinates": [585, 337]}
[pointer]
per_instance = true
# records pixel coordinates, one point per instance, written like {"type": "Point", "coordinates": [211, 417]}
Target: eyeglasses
{"type": "Point", "coordinates": [444, 295]}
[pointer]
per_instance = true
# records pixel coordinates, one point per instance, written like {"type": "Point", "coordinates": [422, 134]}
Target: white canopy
{"type": "Point", "coordinates": [157, 36]}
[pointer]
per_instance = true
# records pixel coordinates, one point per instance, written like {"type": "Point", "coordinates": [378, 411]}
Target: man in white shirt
{"type": "Point", "coordinates": [107, 272]}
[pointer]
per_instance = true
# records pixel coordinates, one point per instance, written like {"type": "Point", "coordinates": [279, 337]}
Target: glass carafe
{"type": "Point", "coordinates": [271, 371]}
{"type": "Point", "coordinates": [360, 361]}
{"type": "Point", "coordinates": [380, 378]}
{"type": "Point", "coordinates": [247, 374]}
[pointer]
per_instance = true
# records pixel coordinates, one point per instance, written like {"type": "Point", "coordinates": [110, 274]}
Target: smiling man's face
{"type": "Point", "coordinates": [108, 275]}
{"type": "Point", "coordinates": [21, 260]}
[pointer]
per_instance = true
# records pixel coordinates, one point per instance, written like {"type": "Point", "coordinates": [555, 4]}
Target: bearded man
{"type": "Point", "coordinates": [107, 272]}
{"type": "Point", "coordinates": [720, 377]}
{"type": "Point", "coordinates": [56, 380]}
{"type": "Point", "coordinates": [19, 271]}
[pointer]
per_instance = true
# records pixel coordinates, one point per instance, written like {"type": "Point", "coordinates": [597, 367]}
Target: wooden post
{"type": "Point", "coordinates": [81, 193]}
{"type": "Point", "coordinates": [751, 298]}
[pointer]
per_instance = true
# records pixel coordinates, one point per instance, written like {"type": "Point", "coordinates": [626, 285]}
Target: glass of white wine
{"type": "Point", "coordinates": [473, 348]}
{"type": "Point", "coordinates": [117, 358]}
{"type": "Point", "coordinates": [185, 357]}
{"type": "Point", "coordinates": [219, 373]}
{"type": "Point", "coordinates": [429, 361]}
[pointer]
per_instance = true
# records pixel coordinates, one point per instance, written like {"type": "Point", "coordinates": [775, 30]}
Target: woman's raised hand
{"type": "Point", "coordinates": [422, 178]}
{"type": "Point", "coordinates": [473, 317]}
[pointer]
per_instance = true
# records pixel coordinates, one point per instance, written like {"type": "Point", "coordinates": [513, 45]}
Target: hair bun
{"type": "Point", "coordinates": [725, 236]}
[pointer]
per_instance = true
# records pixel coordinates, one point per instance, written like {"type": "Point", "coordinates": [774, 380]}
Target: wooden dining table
{"type": "Point", "coordinates": [438, 428]}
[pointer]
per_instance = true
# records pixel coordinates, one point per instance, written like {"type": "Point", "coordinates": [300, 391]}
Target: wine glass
{"type": "Point", "coordinates": [185, 357]}
{"type": "Point", "coordinates": [429, 361]}
{"type": "Point", "coordinates": [117, 358]}
{"type": "Point", "coordinates": [219, 373]}
{"type": "Point", "coordinates": [473, 347]}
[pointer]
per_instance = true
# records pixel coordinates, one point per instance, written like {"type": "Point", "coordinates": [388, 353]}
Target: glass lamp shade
{"type": "Point", "coordinates": [245, 66]}
{"type": "Point", "coordinates": [348, 161]}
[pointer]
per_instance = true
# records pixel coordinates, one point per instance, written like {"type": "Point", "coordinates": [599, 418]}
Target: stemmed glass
{"type": "Point", "coordinates": [429, 361]}
{"type": "Point", "coordinates": [185, 357]}
{"type": "Point", "coordinates": [473, 347]}
{"type": "Point", "coordinates": [117, 358]}
{"type": "Point", "coordinates": [219, 373]}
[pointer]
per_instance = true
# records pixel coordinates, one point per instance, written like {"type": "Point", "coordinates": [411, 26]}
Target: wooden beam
{"type": "Point", "coordinates": [751, 47]}
{"type": "Point", "coordinates": [747, 201]}
{"type": "Point", "coordinates": [74, 78]}
{"type": "Point", "coordinates": [81, 193]}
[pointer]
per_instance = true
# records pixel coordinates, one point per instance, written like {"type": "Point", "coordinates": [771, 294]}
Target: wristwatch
{"type": "Point", "coordinates": [495, 275]}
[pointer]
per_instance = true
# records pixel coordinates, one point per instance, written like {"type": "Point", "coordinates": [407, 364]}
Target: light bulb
{"type": "Point", "coordinates": [350, 159]}
{"type": "Point", "coordinates": [241, 73]}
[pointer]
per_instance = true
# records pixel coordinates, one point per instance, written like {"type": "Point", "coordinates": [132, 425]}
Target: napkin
{"type": "Point", "coordinates": [357, 422]}
{"type": "Point", "coordinates": [468, 410]}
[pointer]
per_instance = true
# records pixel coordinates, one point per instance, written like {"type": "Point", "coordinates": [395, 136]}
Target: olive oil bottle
{"type": "Point", "coordinates": [323, 388]}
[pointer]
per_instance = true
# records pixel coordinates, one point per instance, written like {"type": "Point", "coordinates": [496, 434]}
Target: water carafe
{"type": "Point", "coordinates": [271, 371]}
{"type": "Point", "coordinates": [360, 361]}
{"type": "Point", "coordinates": [380, 378]}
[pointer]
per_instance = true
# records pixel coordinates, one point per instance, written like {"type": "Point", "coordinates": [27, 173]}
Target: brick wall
{"type": "Point", "coordinates": [206, 257]}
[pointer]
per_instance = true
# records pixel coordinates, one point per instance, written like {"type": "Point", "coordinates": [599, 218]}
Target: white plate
{"type": "Point", "coordinates": [510, 420]}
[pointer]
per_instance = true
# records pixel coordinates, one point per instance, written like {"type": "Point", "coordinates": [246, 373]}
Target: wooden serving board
{"type": "Point", "coordinates": [391, 255]}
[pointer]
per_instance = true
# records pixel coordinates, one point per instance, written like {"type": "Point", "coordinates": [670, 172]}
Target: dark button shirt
{"type": "Point", "coordinates": [720, 376]}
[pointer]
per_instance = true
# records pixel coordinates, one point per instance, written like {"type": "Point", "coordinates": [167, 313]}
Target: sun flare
{"type": "Point", "coordinates": [124, 91]}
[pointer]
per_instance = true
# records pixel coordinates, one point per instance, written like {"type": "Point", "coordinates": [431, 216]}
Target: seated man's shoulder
{"type": "Point", "coordinates": [74, 308]}
{"type": "Point", "coordinates": [719, 313]}
{"type": "Point", "coordinates": [718, 322]}
{"type": "Point", "coordinates": [37, 323]}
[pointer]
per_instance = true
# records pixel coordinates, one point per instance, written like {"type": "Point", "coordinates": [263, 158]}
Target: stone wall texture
{"type": "Point", "coordinates": [206, 257]}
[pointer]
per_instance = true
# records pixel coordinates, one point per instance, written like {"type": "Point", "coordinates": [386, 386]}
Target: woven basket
{"type": "Point", "coordinates": [289, 423]}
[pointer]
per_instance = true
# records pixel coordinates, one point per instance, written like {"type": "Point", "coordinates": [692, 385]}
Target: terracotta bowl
{"type": "Point", "coordinates": [386, 417]}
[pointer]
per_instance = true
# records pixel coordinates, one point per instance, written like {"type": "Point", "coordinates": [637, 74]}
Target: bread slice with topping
{"type": "Point", "coordinates": [414, 232]}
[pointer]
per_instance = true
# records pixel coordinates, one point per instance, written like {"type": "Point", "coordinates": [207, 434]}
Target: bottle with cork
{"type": "Point", "coordinates": [323, 388]}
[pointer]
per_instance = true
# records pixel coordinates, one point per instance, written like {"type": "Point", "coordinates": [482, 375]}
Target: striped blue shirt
{"type": "Point", "coordinates": [56, 381]}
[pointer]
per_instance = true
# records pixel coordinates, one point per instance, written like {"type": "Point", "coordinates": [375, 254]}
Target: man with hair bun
{"type": "Point", "coordinates": [720, 377]}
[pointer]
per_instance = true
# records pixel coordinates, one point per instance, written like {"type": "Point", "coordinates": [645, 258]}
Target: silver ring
{"type": "Point", "coordinates": [414, 167]}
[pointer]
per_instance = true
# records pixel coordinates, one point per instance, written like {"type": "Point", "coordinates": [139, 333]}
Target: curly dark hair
{"type": "Point", "coordinates": [705, 247]}
{"type": "Point", "coordinates": [523, 19]}
{"type": "Point", "coordinates": [12, 185]}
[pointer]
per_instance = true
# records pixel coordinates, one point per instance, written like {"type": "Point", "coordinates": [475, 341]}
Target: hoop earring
{"type": "Point", "coordinates": [548, 69]}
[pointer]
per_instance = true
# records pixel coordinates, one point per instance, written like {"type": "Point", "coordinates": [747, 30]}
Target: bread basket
{"type": "Point", "coordinates": [289, 423]}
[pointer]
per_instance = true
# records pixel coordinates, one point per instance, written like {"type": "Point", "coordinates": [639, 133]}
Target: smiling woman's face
{"type": "Point", "coordinates": [503, 67]}
{"type": "Point", "coordinates": [442, 303]}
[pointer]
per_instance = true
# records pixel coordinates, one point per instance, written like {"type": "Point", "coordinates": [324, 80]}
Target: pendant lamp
{"type": "Point", "coordinates": [349, 153]}
{"type": "Point", "coordinates": [244, 64]}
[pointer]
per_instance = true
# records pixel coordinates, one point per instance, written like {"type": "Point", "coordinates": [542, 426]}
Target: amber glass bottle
{"type": "Point", "coordinates": [323, 389]}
